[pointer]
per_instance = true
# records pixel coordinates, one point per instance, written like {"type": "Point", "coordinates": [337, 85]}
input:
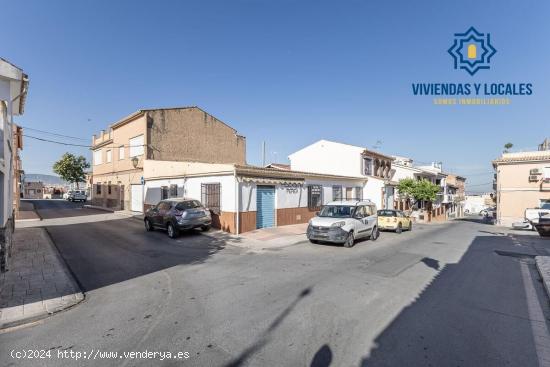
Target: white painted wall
{"type": "Point", "coordinates": [328, 157]}
{"type": "Point", "coordinates": [190, 187]}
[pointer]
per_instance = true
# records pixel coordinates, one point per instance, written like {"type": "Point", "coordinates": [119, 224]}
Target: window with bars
{"type": "Point", "coordinates": [314, 197]}
{"type": "Point", "coordinates": [98, 188]}
{"type": "Point", "coordinates": [358, 193]}
{"type": "Point", "coordinates": [210, 196]}
{"type": "Point", "coordinates": [336, 193]}
{"type": "Point", "coordinates": [109, 188]}
{"type": "Point", "coordinates": [173, 190]}
{"type": "Point", "coordinates": [163, 192]}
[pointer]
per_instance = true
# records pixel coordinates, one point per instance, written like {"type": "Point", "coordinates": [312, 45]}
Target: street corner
{"type": "Point", "coordinates": [38, 282]}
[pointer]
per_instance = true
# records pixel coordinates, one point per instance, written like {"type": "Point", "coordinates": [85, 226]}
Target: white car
{"type": "Point", "coordinates": [344, 222]}
{"type": "Point", "coordinates": [77, 195]}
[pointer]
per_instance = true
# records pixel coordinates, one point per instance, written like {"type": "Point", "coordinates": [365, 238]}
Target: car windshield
{"type": "Point", "coordinates": [545, 205]}
{"type": "Point", "coordinates": [337, 211]}
{"type": "Point", "coordinates": [190, 204]}
{"type": "Point", "coordinates": [386, 213]}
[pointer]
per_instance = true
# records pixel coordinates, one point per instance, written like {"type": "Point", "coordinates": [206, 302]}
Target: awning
{"type": "Point", "coordinates": [273, 181]}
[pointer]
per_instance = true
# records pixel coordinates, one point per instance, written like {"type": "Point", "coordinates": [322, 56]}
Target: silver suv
{"type": "Point", "coordinates": [77, 195]}
{"type": "Point", "coordinates": [344, 222]}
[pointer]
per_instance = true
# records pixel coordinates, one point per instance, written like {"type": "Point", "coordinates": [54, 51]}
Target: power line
{"type": "Point", "coordinates": [81, 145]}
{"type": "Point", "coordinates": [57, 142]}
{"type": "Point", "coordinates": [54, 134]}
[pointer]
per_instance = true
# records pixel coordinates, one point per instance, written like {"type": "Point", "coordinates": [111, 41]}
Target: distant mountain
{"type": "Point", "coordinates": [46, 179]}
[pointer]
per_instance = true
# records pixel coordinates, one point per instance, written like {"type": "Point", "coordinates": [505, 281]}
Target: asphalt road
{"type": "Point", "coordinates": [437, 296]}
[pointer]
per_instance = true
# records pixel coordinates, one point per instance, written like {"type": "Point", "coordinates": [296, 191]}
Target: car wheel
{"type": "Point", "coordinates": [410, 226]}
{"type": "Point", "coordinates": [148, 225]}
{"type": "Point", "coordinates": [399, 229]}
{"type": "Point", "coordinates": [205, 228]}
{"type": "Point", "coordinates": [375, 234]}
{"type": "Point", "coordinates": [172, 231]}
{"type": "Point", "coordinates": [314, 241]}
{"type": "Point", "coordinates": [350, 241]}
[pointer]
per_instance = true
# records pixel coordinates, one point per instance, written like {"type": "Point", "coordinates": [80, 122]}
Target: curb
{"type": "Point", "coordinates": [97, 208]}
{"type": "Point", "coordinates": [543, 266]}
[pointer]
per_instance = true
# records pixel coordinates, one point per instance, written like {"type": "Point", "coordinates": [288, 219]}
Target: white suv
{"type": "Point", "coordinates": [344, 222]}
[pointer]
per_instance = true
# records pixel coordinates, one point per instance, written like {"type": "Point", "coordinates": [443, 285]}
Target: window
{"type": "Point", "coordinates": [164, 205]}
{"type": "Point", "coordinates": [314, 197]}
{"type": "Point", "coordinates": [173, 190]}
{"type": "Point", "coordinates": [367, 166]}
{"type": "Point", "coordinates": [98, 188]}
{"type": "Point", "coordinates": [360, 212]}
{"type": "Point", "coordinates": [97, 157]}
{"type": "Point", "coordinates": [349, 193]}
{"type": "Point", "coordinates": [546, 173]}
{"type": "Point", "coordinates": [370, 209]}
{"type": "Point", "coordinates": [210, 196]}
{"type": "Point", "coordinates": [136, 146]}
{"type": "Point", "coordinates": [358, 193]}
{"type": "Point", "coordinates": [544, 204]}
{"type": "Point", "coordinates": [121, 152]}
{"type": "Point", "coordinates": [190, 204]}
{"type": "Point", "coordinates": [336, 193]}
{"type": "Point", "coordinates": [163, 192]}
{"type": "Point", "coordinates": [109, 188]}
{"type": "Point", "coordinates": [109, 156]}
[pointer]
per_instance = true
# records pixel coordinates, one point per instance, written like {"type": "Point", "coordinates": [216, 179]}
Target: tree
{"type": "Point", "coordinates": [507, 147]}
{"type": "Point", "coordinates": [419, 190]}
{"type": "Point", "coordinates": [71, 168]}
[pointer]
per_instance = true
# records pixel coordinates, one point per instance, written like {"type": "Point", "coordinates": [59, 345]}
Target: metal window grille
{"type": "Point", "coordinates": [98, 188]}
{"type": "Point", "coordinates": [211, 197]}
{"type": "Point", "coordinates": [314, 197]}
{"type": "Point", "coordinates": [163, 192]}
{"type": "Point", "coordinates": [173, 191]}
{"type": "Point", "coordinates": [336, 193]}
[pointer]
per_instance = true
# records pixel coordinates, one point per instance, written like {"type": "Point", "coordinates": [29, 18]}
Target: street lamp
{"type": "Point", "coordinates": [135, 162]}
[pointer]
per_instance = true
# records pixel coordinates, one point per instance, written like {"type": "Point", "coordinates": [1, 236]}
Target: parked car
{"type": "Point", "coordinates": [488, 212]}
{"type": "Point", "coordinates": [76, 195]}
{"type": "Point", "coordinates": [175, 215]}
{"type": "Point", "coordinates": [344, 222]}
{"type": "Point", "coordinates": [394, 220]}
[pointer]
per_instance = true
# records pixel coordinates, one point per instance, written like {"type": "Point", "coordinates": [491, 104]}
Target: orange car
{"type": "Point", "coordinates": [394, 220]}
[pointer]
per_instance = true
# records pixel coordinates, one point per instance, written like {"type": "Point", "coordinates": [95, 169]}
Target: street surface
{"type": "Point", "coordinates": [437, 296]}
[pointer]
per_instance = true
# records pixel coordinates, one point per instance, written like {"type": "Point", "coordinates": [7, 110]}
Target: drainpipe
{"type": "Point", "coordinates": [237, 202]}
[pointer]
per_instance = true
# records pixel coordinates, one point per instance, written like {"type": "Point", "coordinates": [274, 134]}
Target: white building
{"type": "Point", "coordinates": [244, 198]}
{"type": "Point", "coordinates": [334, 158]}
{"type": "Point", "coordinates": [13, 89]}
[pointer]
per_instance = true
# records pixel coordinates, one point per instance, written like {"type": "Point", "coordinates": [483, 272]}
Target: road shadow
{"type": "Point", "coordinates": [323, 357]}
{"type": "Point", "coordinates": [265, 337]}
{"type": "Point", "coordinates": [58, 208]}
{"type": "Point", "coordinates": [102, 253]}
{"type": "Point", "coordinates": [476, 312]}
{"type": "Point", "coordinates": [477, 219]}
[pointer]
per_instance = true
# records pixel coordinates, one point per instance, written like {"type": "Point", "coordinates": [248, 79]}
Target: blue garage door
{"type": "Point", "coordinates": [265, 206]}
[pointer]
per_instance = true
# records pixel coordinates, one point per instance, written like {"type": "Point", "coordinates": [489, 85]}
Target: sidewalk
{"type": "Point", "coordinates": [38, 283]}
{"type": "Point", "coordinates": [27, 212]}
{"type": "Point", "coordinates": [275, 237]}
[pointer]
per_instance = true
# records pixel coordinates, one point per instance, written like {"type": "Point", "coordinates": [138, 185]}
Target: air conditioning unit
{"type": "Point", "coordinates": [535, 171]}
{"type": "Point", "coordinates": [533, 178]}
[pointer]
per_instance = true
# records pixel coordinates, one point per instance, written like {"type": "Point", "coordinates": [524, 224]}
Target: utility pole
{"type": "Point", "coordinates": [263, 153]}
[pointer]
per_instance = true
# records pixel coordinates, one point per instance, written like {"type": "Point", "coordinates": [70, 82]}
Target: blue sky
{"type": "Point", "coordinates": [286, 72]}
